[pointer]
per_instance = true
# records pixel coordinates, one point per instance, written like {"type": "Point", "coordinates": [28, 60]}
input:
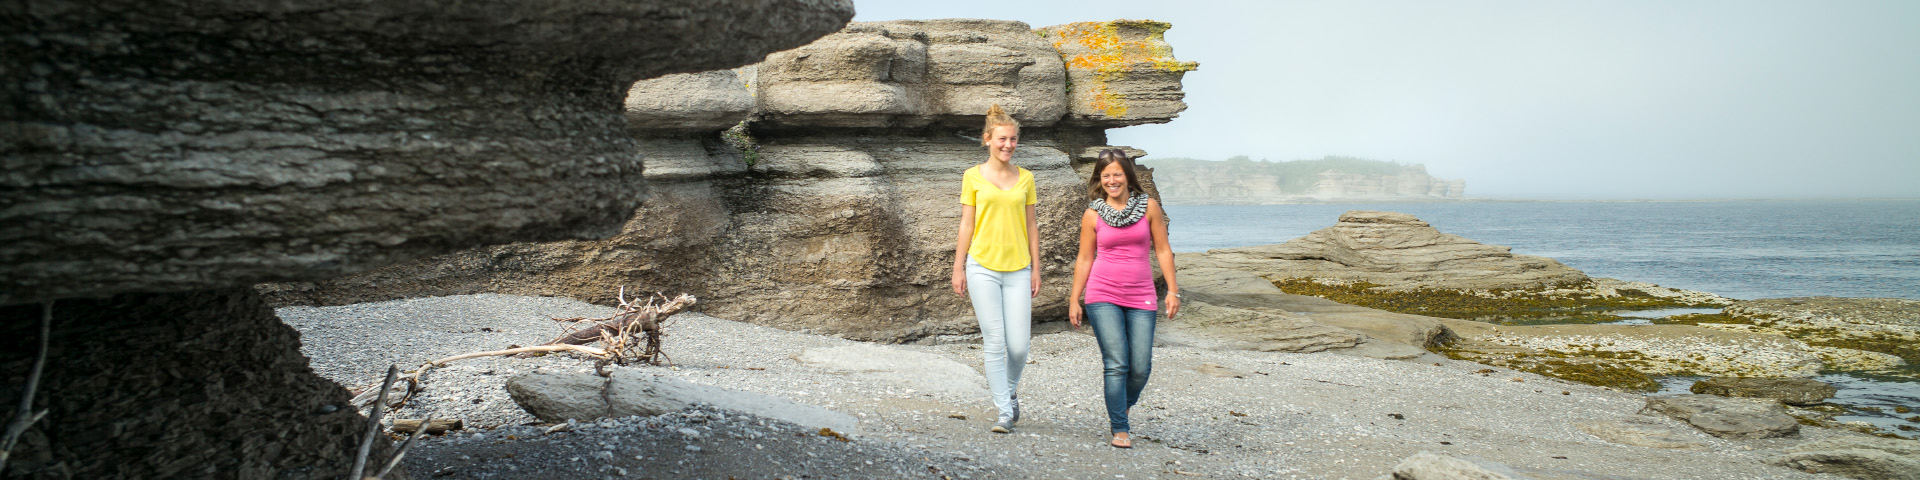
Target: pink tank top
{"type": "Point", "coordinates": [1120, 274]}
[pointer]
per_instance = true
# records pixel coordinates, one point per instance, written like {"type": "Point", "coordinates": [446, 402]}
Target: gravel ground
{"type": "Point", "coordinates": [1206, 413]}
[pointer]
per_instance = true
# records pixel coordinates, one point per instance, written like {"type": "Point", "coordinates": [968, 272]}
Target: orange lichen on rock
{"type": "Point", "coordinates": [1116, 46]}
{"type": "Point", "coordinates": [1099, 55]}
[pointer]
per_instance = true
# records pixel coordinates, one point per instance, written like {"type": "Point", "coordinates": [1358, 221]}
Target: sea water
{"type": "Point", "coordinates": [1738, 249]}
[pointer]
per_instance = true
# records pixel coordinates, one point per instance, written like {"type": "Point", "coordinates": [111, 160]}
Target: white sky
{"type": "Point", "coordinates": [1539, 99]}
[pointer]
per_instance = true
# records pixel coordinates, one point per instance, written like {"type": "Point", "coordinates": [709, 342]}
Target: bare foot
{"type": "Point", "coordinates": [1122, 440]}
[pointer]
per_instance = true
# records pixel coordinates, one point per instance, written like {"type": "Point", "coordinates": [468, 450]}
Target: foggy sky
{"type": "Point", "coordinates": [1542, 100]}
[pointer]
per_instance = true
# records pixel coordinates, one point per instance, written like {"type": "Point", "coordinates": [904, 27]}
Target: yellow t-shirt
{"type": "Point", "coordinates": [999, 219]}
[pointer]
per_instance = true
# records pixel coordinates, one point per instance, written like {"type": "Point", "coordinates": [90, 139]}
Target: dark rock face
{"type": "Point", "coordinates": [195, 146]}
{"type": "Point", "coordinates": [170, 146]}
{"type": "Point", "coordinates": [196, 385]}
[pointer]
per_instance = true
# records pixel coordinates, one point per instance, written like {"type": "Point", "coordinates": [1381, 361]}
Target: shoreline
{"type": "Point", "coordinates": [1394, 200]}
{"type": "Point", "coordinates": [1217, 413]}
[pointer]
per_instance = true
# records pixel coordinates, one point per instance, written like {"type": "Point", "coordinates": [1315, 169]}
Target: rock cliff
{"type": "Point", "coordinates": [842, 219]}
{"type": "Point", "coordinates": [158, 154]}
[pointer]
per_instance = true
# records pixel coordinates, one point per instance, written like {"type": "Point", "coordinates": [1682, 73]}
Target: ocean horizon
{"type": "Point", "coordinates": [1742, 249]}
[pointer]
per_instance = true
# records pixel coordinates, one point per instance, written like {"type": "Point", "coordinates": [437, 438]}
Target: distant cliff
{"type": "Point", "coordinates": [1239, 180]}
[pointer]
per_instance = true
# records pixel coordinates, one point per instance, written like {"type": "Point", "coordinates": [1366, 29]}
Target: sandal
{"type": "Point", "coordinates": [1122, 440]}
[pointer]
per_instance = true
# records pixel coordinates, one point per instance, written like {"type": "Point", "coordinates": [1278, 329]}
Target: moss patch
{"type": "Point", "coordinates": [1699, 318]}
{"type": "Point", "coordinates": [1614, 372]}
{"type": "Point", "coordinates": [1559, 304]}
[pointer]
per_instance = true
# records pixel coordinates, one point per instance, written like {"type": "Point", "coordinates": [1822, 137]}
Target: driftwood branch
{"type": "Point", "coordinates": [634, 333]}
{"type": "Point", "coordinates": [400, 452]}
{"type": "Point", "coordinates": [373, 424]}
{"type": "Point", "coordinates": [434, 426]}
{"type": "Point", "coordinates": [514, 351]}
{"type": "Point", "coordinates": [25, 417]}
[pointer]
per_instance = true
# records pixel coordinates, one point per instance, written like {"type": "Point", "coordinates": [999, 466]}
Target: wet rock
{"type": "Point", "coordinates": [1790, 391]}
{"type": "Point", "coordinates": [1859, 457]}
{"type": "Point", "coordinates": [1724, 417]}
{"type": "Point", "coordinates": [1395, 250]}
{"type": "Point", "coordinates": [558, 397]}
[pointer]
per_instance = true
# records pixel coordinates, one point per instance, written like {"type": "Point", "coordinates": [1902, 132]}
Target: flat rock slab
{"type": "Point", "coordinates": [1641, 433]}
{"type": "Point", "coordinates": [1208, 325]}
{"type": "Point", "coordinates": [1790, 391]}
{"type": "Point", "coordinates": [1857, 457]}
{"type": "Point", "coordinates": [1293, 321]}
{"type": "Point", "coordinates": [558, 397]}
{"type": "Point", "coordinates": [915, 370]}
{"type": "Point", "coordinates": [1724, 417]}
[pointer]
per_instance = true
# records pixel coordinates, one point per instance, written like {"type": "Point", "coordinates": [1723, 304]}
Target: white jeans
{"type": "Point", "coordinates": [1003, 302]}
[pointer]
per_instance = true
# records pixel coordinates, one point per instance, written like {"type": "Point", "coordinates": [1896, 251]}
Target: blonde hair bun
{"type": "Point", "coordinates": [996, 117]}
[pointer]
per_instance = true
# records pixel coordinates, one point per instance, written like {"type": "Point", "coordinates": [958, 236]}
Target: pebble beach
{"type": "Point", "coordinates": [1206, 414]}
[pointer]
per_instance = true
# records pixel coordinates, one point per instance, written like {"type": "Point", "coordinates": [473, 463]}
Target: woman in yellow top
{"type": "Point", "coordinates": [993, 263]}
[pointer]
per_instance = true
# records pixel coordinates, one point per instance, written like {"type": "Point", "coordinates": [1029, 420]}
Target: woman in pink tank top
{"type": "Point", "coordinates": [1113, 280]}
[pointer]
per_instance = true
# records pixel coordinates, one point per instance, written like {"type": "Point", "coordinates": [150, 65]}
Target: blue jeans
{"type": "Point", "coordinates": [1126, 347]}
{"type": "Point", "coordinates": [1003, 303]}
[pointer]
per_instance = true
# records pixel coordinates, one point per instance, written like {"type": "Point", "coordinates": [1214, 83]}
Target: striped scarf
{"type": "Point", "coordinates": [1136, 209]}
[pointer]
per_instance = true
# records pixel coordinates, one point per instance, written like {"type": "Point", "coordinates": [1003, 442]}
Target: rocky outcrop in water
{"type": "Point", "coordinates": [1394, 250]}
{"type": "Point", "coordinates": [192, 147]}
{"type": "Point", "coordinates": [842, 219]}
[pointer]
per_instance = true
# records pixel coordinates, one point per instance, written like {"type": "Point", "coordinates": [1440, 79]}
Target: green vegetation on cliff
{"type": "Point", "coordinates": [1296, 176]}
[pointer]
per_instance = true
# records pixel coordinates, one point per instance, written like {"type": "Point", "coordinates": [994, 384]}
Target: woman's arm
{"type": "Point", "coordinates": [1082, 264]}
{"type": "Point", "coordinates": [1033, 246]}
{"type": "Point", "coordinates": [1165, 253]}
{"type": "Point", "coordinates": [964, 243]}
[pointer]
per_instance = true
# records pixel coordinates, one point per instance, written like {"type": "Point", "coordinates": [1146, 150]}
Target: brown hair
{"type": "Point", "coordinates": [996, 117]}
{"type": "Point", "coordinates": [1108, 157]}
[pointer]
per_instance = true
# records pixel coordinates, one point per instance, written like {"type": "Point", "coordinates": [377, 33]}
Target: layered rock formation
{"type": "Point", "coordinates": [246, 156]}
{"type": "Point", "coordinates": [842, 219]}
{"type": "Point", "coordinates": [1395, 250]}
{"type": "Point", "coordinates": [197, 146]}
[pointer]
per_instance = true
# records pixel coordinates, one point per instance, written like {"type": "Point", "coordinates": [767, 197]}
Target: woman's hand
{"type": "Point", "coordinates": [959, 280]}
{"type": "Point", "coordinates": [1173, 304]}
{"type": "Point", "coordinates": [1074, 312]}
{"type": "Point", "coordinates": [1036, 283]}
